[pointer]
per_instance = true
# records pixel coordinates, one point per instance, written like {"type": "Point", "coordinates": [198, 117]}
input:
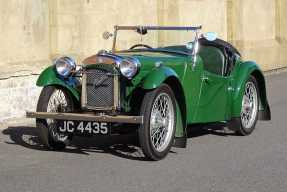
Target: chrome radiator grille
{"type": "Point", "coordinates": [100, 89]}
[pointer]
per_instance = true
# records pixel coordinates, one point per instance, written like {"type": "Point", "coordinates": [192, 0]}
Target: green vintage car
{"type": "Point", "coordinates": [152, 82]}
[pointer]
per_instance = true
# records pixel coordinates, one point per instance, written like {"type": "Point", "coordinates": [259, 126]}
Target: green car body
{"type": "Point", "coordinates": [198, 101]}
{"type": "Point", "coordinates": [162, 89]}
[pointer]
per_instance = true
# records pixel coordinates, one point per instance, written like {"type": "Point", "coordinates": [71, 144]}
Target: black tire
{"type": "Point", "coordinates": [45, 130]}
{"type": "Point", "coordinates": [237, 123]}
{"type": "Point", "coordinates": [144, 131]}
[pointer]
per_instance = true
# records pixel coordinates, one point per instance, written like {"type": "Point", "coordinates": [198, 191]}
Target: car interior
{"type": "Point", "coordinates": [218, 56]}
{"type": "Point", "coordinates": [213, 59]}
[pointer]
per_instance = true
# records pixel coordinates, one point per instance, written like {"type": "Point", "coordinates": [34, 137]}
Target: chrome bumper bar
{"type": "Point", "coordinates": [86, 117]}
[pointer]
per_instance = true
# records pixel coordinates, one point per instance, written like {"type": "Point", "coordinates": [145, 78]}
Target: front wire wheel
{"type": "Point", "coordinates": [161, 122]}
{"type": "Point", "coordinates": [53, 99]}
{"type": "Point", "coordinates": [157, 132]}
{"type": "Point", "coordinates": [57, 103]}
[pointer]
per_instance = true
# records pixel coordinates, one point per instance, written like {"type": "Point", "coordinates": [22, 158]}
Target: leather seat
{"type": "Point", "coordinates": [213, 59]}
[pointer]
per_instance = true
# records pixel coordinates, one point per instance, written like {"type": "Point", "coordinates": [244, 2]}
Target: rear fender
{"type": "Point", "coordinates": [246, 70]}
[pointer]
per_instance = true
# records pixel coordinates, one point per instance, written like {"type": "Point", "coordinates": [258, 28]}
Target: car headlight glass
{"type": "Point", "coordinates": [129, 67]}
{"type": "Point", "coordinates": [65, 66]}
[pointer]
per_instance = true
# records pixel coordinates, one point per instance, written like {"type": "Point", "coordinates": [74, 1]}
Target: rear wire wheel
{"type": "Point", "coordinates": [53, 99]}
{"type": "Point", "coordinates": [156, 134]}
{"type": "Point", "coordinates": [245, 125]}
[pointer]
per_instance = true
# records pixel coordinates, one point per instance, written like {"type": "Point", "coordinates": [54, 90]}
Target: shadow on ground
{"type": "Point", "coordinates": [125, 146]}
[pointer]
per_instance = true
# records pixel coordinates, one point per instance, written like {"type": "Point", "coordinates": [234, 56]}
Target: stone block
{"type": "Point", "coordinates": [16, 99]}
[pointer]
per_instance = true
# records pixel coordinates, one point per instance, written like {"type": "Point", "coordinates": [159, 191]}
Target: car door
{"type": "Point", "coordinates": [213, 97]}
{"type": "Point", "coordinates": [192, 84]}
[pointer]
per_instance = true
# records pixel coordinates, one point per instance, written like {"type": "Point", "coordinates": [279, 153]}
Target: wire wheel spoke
{"type": "Point", "coordinates": [162, 122]}
{"type": "Point", "coordinates": [57, 103]}
{"type": "Point", "coordinates": [249, 105]}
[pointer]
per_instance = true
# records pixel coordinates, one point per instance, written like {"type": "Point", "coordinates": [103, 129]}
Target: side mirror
{"type": "Point", "coordinates": [193, 47]}
{"type": "Point", "coordinates": [210, 36]}
{"type": "Point", "coordinates": [189, 46]}
{"type": "Point", "coordinates": [107, 35]}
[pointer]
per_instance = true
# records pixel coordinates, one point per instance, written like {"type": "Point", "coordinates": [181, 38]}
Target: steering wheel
{"type": "Point", "coordinates": [141, 45]}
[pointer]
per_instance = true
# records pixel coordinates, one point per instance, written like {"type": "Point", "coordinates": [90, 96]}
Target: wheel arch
{"type": "Point", "coordinates": [177, 89]}
{"type": "Point", "coordinates": [168, 76]}
{"type": "Point", "coordinates": [75, 99]}
{"type": "Point", "coordinates": [49, 78]}
{"type": "Point", "coordinates": [264, 109]}
{"type": "Point", "coordinates": [248, 69]}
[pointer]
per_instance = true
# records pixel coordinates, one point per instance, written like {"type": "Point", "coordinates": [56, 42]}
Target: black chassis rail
{"type": "Point", "coordinates": [86, 117]}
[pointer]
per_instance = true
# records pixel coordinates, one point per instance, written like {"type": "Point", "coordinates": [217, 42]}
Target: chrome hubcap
{"type": "Point", "coordinates": [249, 105]}
{"type": "Point", "coordinates": [57, 103]}
{"type": "Point", "coordinates": [162, 122]}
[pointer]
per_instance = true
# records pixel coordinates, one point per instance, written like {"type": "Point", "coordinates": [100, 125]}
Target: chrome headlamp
{"type": "Point", "coordinates": [65, 66]}
{"type": "Point", "coordinates": [129, 67]}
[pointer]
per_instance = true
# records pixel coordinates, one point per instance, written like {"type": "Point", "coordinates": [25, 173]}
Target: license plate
{"type": "Point", "coordinates": [84, 127]}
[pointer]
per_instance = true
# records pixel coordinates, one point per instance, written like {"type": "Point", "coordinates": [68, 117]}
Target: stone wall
{"type": "Point", "coordinates": [24, 51]}
{"type": "Point", "coordinates": [35, 31]}
{"type": "Point", "coordinates": [17, 95]}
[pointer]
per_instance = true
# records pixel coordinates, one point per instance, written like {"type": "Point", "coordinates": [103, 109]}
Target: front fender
{"type": "Point", "coordinates": [244, 71]}
{"type": "Point", "coordinates": [50, 77]}
{"type": "Point", "coordinates": [155, 78]}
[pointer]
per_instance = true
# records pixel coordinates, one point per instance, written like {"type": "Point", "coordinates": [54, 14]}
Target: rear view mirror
{"type": "Point", "coordinates": [142, 31]}
{"type": "Point", "coordinates": [210, 36]}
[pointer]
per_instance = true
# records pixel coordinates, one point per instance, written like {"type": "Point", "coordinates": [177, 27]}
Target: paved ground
{"type": "Point", "coordinates": [213, 161]}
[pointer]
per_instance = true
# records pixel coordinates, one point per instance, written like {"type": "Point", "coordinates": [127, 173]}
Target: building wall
{"type": "Point", "coordinates": [35, 31]}
{"type": "Point", "coordinates": [24, 51]}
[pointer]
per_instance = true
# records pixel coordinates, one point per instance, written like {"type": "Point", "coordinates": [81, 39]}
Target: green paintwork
{"type": "Point", "coordinates": [238, 82]}
{"type": "Point", "coordinates": [50, 77]}
{"type": "Point", "coordinates": [156, 77]}
{"type": "Point", "coordinates": [219, 99]}
{"type": "Point", "coordinates": [180, 128]}
{"type": "Point", "coordinates": [213, 98]}
{"type": "Point", "coordinates": [206, 96]}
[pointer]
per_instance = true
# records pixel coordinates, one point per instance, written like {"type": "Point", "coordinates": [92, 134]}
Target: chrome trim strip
{"type": "Point", "coordinates": [86, 117]}
{"type": "Point", "coordinates": [117, 58]}
{"type": "Point", "coordinates": [116, 92]}
{"type": "Point", "coordinates": [84, 93]}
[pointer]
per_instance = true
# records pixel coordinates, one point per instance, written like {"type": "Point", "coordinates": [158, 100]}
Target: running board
{"type": "Point", "coordinates": [86, 117]}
